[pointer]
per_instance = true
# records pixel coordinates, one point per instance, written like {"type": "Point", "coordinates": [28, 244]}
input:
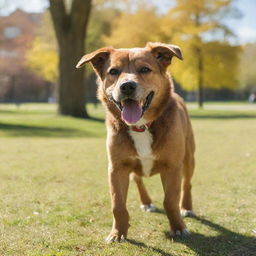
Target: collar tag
{"type": "Point", "coordinates": [141, 128]}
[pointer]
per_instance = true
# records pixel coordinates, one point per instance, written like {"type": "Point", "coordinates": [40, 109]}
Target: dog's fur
{"type": "Point", "coordinates": [166, 147]}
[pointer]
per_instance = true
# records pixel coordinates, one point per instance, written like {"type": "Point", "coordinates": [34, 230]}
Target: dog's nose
{"type": "Point", "coordinates": [128, 87]}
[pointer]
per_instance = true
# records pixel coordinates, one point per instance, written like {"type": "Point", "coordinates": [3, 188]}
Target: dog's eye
{"type": "Point", "coordinates": [114, 71]}
{"type": "Point", "coordinates": [144, 70]}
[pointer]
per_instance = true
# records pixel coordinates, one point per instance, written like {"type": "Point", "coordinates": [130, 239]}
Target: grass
{"type": "Point", "coordinates": [54, 197]}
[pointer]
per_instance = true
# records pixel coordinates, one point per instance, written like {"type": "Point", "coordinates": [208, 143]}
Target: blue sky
{"type": "Point", "coordinates": [245, 28]}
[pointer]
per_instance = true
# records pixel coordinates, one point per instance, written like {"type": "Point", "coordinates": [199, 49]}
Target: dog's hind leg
{"type": "Point", "coordinates": [186, 197]}
{"type": "Point", "coordinates": [146, 202]}
{"type": "Point", "coordinates": [171, 180]}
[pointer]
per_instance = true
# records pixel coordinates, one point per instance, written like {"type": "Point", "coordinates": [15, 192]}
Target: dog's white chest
{"type": "Point", "coordinates": [143, 142]}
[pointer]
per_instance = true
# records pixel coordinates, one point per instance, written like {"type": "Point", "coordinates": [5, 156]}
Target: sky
{"type": "Point", "coordinates": [244, 28]}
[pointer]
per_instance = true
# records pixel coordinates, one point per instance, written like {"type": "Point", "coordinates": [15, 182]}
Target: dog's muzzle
{"type": "Point", "coordinates": [131, 109]}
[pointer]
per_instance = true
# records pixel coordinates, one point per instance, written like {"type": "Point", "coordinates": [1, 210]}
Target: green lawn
{"type": "Point", "coordinates": [54, 197]}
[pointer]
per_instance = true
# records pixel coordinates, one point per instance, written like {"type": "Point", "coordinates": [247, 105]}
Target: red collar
{"type": "Point", "coordinates": [141, 128]}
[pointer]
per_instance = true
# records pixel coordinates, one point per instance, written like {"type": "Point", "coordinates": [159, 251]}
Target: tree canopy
{"type": "Point", "coordinates": [43, 57]}
{"type": "Point", "coordinates": [194, 25]}
{"type": "Point", "coordinates": [248, 67]}
{"type": "Point", "coordinates": [210, 60]}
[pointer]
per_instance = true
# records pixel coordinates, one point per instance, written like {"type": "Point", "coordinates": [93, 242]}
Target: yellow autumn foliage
{"type": "Point", "coordinates": [190, 24]}
{"type": "Point", "coordinates": [220, 69]}
{"type": "Point", "coordinates": [134, 29]}
{"type": "Point", "coordinates": [42, 58]}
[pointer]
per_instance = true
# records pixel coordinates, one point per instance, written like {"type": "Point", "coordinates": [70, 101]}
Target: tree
{"type": "Point", "coordinates": [100, 25]}
{"type": "Point", "coordinates": [248, 67]}
{"type": "Point", "coordinates": [195, 23]}
{"type": "Point", "coordinates": [42, 57]}
{"type": "Point", "coordinates": [131, 30]}
{"type": "Point", "coordinates": [219, 66]}
{"type": "Point", "coordinates": [70, 27]}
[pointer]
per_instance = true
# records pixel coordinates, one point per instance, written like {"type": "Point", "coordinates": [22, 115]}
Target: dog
{"type": "Point", "coordinates": [148, 131]}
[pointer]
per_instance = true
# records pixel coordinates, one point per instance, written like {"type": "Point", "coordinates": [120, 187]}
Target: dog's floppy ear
{"type": "Point", "coordinates": [97, 59]}
{"type": "Point", "coordinates": [164, 52]}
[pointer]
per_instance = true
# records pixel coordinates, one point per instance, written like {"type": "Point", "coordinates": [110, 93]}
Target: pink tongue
{"type": "Point", "coordinates": [131, 112]}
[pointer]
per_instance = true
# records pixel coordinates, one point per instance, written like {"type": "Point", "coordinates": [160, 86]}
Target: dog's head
{"type": "Point", "coordinates": [134, 79]}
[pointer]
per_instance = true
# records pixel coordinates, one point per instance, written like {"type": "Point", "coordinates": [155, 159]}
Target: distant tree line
{"type": "Point", "coordinates": [213, 68]}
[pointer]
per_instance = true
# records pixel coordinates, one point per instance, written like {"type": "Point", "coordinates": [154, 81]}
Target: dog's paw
{"type": "Point", "coordinates": [148, 207]}
{"type": "Point", "coordinates": [180, 233]}
{"type": "Point", "coordinates": [187, 213]}
{"type": "Point", "coordinates": [115, 237]}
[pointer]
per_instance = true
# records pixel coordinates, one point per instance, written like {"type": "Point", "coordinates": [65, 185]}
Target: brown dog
{"type": "Point", "coordinates": [148, 128]}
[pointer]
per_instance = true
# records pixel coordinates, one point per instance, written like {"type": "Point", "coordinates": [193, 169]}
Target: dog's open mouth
{"type": "Point", "coordinates": [132, 110]}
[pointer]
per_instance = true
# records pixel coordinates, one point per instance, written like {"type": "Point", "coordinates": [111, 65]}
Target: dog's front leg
{"type": "Point", "coordinates": [118, 182]}
{"type": "Point", "coordinates": [171, 180]}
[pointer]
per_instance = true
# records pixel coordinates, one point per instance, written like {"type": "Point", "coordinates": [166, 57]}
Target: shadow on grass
{"type": "Point", "coordinates": [97, 119]}
{"type": "Point", "coordinates": [227, 243]}
{"type": "Point", "coordinates": [7, 111]}
{"type": "Point", "coordinates": [223, 115]}
{"type": "Point", "coordinates": [154, 249]}
{"type": "Point", "coordinates": [159, 210]}
{"type": "Point", "coordinates": [19, 130]}
{"type": "Point", "coordinates": [25, 112]}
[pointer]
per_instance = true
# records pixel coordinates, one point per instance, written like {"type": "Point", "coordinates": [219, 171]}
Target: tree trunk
{"type": "Point", "coordinates": [70, 29]}
{"type": "Point", "coordinates": [198, 40]}
{"type": "Point", "coordinates": [200, 79]}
